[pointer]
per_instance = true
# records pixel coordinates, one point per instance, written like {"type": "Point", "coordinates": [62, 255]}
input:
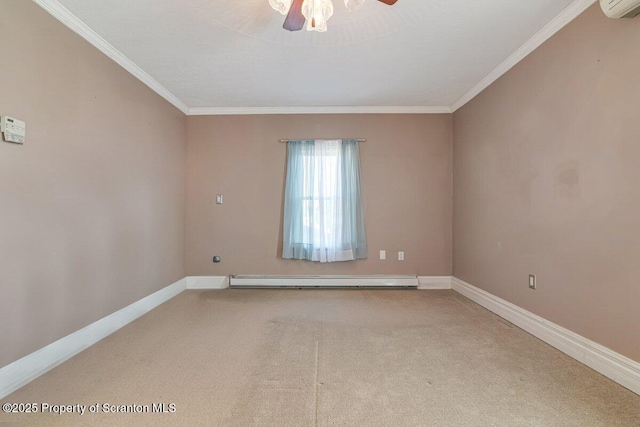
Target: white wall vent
{"type": "Point", "coordinates": [617, 9]}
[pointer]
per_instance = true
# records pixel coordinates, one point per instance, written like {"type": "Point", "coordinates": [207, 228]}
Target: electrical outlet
{"type": "Point", "coordinates": [401, 256]}
{"type": "Point", "coordinates": [383, 254]}
{"type": "Point", "coordinates": [532, 281]}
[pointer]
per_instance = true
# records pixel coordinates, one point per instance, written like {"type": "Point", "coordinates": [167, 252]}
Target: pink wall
{"type": "Point", "coordinates": [92, 206]}
{"type": "Point", "coordinates": [546, 181]}
{"type": "Point", "coordinates": [406, 178]}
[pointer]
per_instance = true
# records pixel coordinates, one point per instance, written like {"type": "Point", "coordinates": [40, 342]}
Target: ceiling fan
{"type": "Point", "coordinates": [314, 12]}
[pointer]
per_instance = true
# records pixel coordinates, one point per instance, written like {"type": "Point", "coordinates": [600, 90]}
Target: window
{"type": "Point", "coordinates": [323, 217]}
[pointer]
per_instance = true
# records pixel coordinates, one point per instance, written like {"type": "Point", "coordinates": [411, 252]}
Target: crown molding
{"type": "Point", "coordinates": [556, 24]}
{"type": "Point", "coordinates": [222, 111]}
{"type": "Point", "coordinates": [63, 15]}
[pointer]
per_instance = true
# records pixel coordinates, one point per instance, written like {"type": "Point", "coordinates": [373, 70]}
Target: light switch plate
{"type": "Point", "coordinates": [383, 254]}
{"type": "Point", "coordinates": [532, 281]}
{"type": "Point", "coordinates": [218, 199]}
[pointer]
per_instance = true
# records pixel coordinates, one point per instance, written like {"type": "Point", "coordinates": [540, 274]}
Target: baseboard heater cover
{"type": "Point", "coordinates": [360, 282]}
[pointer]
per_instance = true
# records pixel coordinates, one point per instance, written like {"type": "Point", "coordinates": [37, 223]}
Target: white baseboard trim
{"type": "Point", "coordinates": [617, 367]}
{"type": "Point", "coordinates": [28, 368]}
{"type": "Point", "coordinates": [434, 282]}
{"type": "Point", "coordinates": [207, 282]}
{"type": "Point", "coordinates": [381, 281]}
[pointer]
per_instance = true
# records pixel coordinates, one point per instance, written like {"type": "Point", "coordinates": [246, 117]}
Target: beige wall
{"type": "Point", "coordinates": [406, 175]}
{"type": "Point", "coordinates": [546, 175]}
{"type": "Point", "coordinates": [547, 181]}
{"type": "Point", "coordinates": [92, 206]}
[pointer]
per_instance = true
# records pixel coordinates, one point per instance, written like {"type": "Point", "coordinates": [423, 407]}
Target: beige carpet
{"type": "Point", "coordinates": [328, 358]}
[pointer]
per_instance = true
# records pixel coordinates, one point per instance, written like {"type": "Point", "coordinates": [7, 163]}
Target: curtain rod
{"type": "Point", "coordinates": [359, 139]}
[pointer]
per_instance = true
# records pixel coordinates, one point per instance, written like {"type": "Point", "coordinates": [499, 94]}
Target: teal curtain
{"type": "Point", "coordinates": [323, 215]}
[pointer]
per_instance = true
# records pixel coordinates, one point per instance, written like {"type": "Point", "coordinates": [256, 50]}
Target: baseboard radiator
{"type": "Point", "coordinates": [333, 282]}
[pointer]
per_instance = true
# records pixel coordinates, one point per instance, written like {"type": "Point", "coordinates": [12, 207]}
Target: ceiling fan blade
{"type": "Point", "coordinates": [389, 2]}
{"type": "Point", "coordinates": [295, 19]}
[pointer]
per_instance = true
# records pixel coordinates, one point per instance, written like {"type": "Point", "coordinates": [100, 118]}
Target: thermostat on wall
{"type": "Point", "coordinates": [13, 130]}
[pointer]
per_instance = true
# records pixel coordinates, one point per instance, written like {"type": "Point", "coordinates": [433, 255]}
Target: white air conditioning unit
{"type": "Point", "coordinates": [617, 9]}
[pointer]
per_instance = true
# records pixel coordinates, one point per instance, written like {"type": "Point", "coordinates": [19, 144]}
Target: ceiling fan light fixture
{"type": "Point", "coordinates": [317, 13]}
{"type": "Point", "coordinates": [319, 26]}
{"type": "Point", "coordinates": [353, 4]}
{"type": "Point", "coordinates": [281, 6]}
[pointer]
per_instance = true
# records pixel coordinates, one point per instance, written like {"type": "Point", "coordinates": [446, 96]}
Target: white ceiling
{"type": "Point", "coordinates": [213, 55]}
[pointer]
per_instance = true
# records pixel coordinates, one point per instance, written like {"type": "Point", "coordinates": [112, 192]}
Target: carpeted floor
{"type": "Point", "coordinates": [327, 358]}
